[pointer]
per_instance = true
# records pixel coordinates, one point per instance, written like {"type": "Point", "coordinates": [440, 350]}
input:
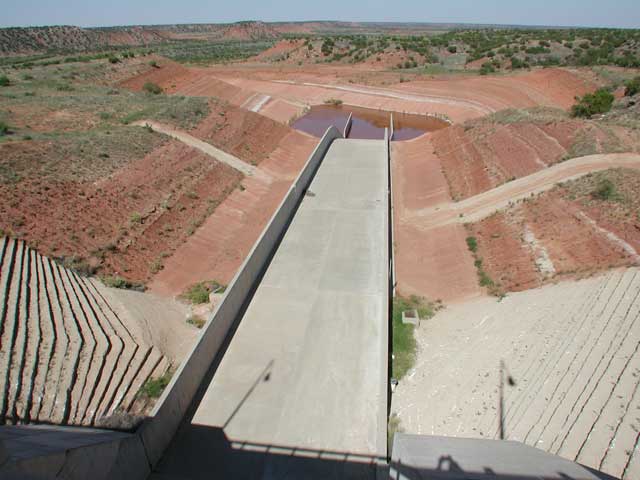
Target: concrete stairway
{"type": "Point", "coordinates": [66, 356]}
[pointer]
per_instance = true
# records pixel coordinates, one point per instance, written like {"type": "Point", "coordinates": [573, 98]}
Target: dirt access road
{"type": "Point", "coordinates": [484, 204]}
{"type": "Point", "coordinates": [432, 258]}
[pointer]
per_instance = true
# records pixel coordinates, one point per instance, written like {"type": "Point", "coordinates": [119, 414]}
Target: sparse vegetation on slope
{"type": "Point", "coordinates": [404, 343]}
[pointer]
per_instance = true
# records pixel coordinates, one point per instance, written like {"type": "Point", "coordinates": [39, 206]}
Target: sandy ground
{"type": "Point", "coordinates": [572, 349]}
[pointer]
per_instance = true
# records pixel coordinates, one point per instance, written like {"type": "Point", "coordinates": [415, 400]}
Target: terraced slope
{"type": "Point", "coordinates": [66, 356]}
{"type": "Point", "coordinates": [574, 352]}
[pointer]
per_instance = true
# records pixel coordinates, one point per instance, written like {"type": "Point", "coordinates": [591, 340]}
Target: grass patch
{"type": "Point", "coordinates": [196, 320]}
{"type": "Point", "coordinates": [333, 101]}
{"type": "Point", "coordinates": [483, 277]}
{"type": "Point", "coordinates": [606, 190]}
{"type": "Point", "coordinates": [404, 342]}
{"type": "Point", "coordinates": [154, 387]}
{"type": "Point", "coordinates": [114, 281]}
{"type": "Point", "coordinates": [152, 88]}
{"type": "Point", "coordinates": [198, 293]}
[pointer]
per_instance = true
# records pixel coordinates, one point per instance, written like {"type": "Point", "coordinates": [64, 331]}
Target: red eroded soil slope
{"type": "Point", "coordinates": [125, 223]}
{"type": "Point", "coordinates": [486, 153]}
{"type": "Point", "coordinates": [166, 74]}
{"type": "Point", "coordinates": [249, 136]}
{"type": "Point", "coordinates": [218, 248]}
{"type": "Point", "coordinates": [567, 231]}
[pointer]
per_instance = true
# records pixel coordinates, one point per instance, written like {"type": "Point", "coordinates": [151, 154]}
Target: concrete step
{"type": "Point", "coordinates": [603, 323]}
{"type": "Point", "coordinates": [139, 371]}
{"type": "Point", "coordinates": [149, 366]}
{"type": "Point", "coordinates": [609, 359]}
{"type": "Point", "coordinates": [108, 341]}
{"type": "Point", "coordinates": [19, 351]}
{"type": "Point", "coordinates": [125, 370]}
{"type": "Point", "coordinates": [75, 359]}
{"type": "Point", "coordinates": [46, 357]}
{"type": "Point", "coordinates": [4, 249]}
{"type": "Point", "coordinates": [29, 370]}
{"type": "Point", "coordinates": [61, 345]}
{"type": "Point", "coordinates": [89, 356]}
{"type": "Point", "coordinates": [562, 336]}
{"type": "Point", "coordinates": [9, 321]}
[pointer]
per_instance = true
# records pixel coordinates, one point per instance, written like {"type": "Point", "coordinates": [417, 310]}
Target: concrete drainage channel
{"type": "Point", "coordinates": [103, 454]}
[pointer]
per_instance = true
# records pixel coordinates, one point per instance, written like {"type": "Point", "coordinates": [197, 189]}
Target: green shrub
{"type": "Point", "coordinates": [154, 387]}
{"type": "Point", "coordinates": [333, 101]}
{"type": "Point", "coordinates": [472, 243]}
{"type": "Point", "coordinates": [196, 320]}
{"type": "Point", "coordinates": [136, 217]}
{"type": "Point", "coordinates": [152, 88]}
{"type": "Point", "coordinates": [198, 293]}
{"type": "Point", "coordinates": [114, 59]}
{"type": "Point", "coordinates": [593, 103]}
{"type": "Point", "coordinates": [4, 129]}
{"type": "Point", "coordinates": [115, 281]}
{"type": "Point", "coordinates": [4, 81]}
{"type": "Point", "coordinates": [632, 87]}
{"type": "Point", "coordinates": [154, 64]}
{"type": "Point", "coordinates": [487, 67]}
{"type": "Point", "coordinates": [606, 190]}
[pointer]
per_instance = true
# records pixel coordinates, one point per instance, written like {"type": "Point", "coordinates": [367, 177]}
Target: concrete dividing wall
{"type": "Point", "coordinates": [392, 264]}
{"type": "Point", "coordinates": [386, 337]}
{"type": "Point", "coordinates": [391, 127]}
{"type": "Point", "coordinates": [157, 431]}
{"type": "Point", "coordinates": [347, 126]}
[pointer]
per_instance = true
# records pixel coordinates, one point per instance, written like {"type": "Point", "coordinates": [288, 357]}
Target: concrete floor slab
{"type": "Point", "coordinates": [305, 366]}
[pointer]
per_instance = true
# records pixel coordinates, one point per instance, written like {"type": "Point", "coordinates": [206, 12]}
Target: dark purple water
{"type": "Point", "coordinates": [367, 123]}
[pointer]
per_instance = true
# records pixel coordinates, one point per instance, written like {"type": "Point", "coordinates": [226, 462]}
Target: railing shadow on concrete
{"type": "Point", "coordinates": [203, 452]}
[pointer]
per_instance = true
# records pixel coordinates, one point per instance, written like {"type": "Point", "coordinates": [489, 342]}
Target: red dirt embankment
{"type": "Point", "coordinates": [165, 74]}
{"type": "Point", "coordinates": [433, 263]}
{"type": "Point", "coordinates": [485, 154]}
{"type": "Point", "coordinates": [219, 247]}
{"type": "Point", "coordinates": [247, 135]}
{"type": "Point", "coordinates": [126, 223]}
{"type": "Point", "coordinates": [566, 231]}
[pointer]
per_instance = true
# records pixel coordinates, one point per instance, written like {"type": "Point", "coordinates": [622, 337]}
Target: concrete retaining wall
{"type": "Point", "coordinates": [157, 432]}
{"type": "Point", "coordinates": [347, 126]}
{"type": "Point", "coordinates": [391, 130]}
{"type": "Point", "coordinates": [385, 340]}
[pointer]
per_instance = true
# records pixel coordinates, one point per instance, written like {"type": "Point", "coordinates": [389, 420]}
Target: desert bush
{"type": "Point", "coordinates": [4, 129]}
{"type": "Point", "coordinates": [152, 88]}
{"type": "Point", "coordinates": [136, 217]}
{"type": "Point", "coordinates": [154, 387]}
{"type": "Point", "coordinates": [593, 103]}
{"type": "Point", "coordinates": [114, 281]}
{"type": "Point", "coordinates": [452, 49]}
{"type": "Point", "coordinates": [196, 320]}
{"type": "Point", "coordinates": [472, 243]}
{"type": "Point", "coordinates": [632, 87]}
{"type": "Point", "coordinates": [114, 59]}
{"type": "Point", "coordinates": [333, 101]}
{"type": "Point", "coordinates": [605, 190]}
{"type": "Point", "coordinates": [487, 67]}
{"type": "Point", "coordinates": [4, 81]}
{"type": "Point", "coordinates": [198, 293]}
{"type": "Point", "coordinates": [154, 64]}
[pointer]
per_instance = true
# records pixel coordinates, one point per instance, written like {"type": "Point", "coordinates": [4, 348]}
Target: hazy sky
{"type": "Point", "coordinates": [615, 13]}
